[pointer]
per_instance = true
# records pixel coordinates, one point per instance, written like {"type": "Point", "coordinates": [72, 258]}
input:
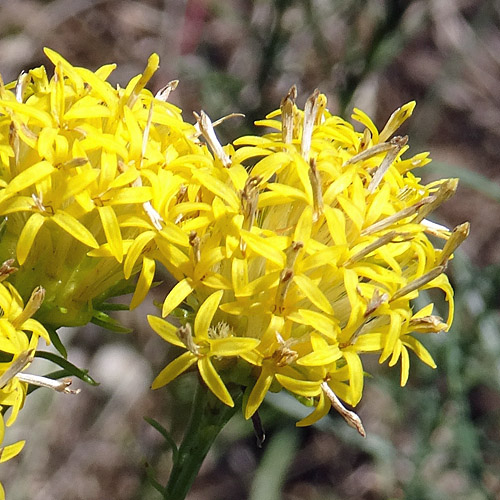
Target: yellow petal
{"type": "Point", "coordinates": [39, 116]}
{"type": "Point", "coordinates": [174, 369]}
{"type": "Point", "coordinates": [321, 358]}
{"type": "Point", "coordinates": [270, 165]}
{"type": "Point", "coordinates": [264, 248]}
{"type": "Point", "coordinates": [10, 451]}
{"type": "Point", "coordinates": [396, 120]}
{"type": "Point", "coordinates": [112, 231]}
{"type": "Point", "coordinates": [232, 346]}
{"type": "Point", "coordinates": [135, 251]}
{"type": "Point", "coordinates": [356, 376]}
{"type": "Point", "coordinates": [322, 408]}
{"type": "Point", "coordinates": [144, 281]}
{"type": "Point", "coordinates": [218, 188]}
{"type": "Point", "coordinates": [213, 381]}
{"type": "Point", "coordinates": [176, 296]}
{"type": "Point", "coordinates": [165, 330]}
{"type": "Point", "coordinates": [206, 313]}
{"type": "Point", "coordinates": [362, 117]}
{"type": "Point", "coordinates": [313, 293]}
{"type": "Point", "coordinates": [74, 228]}
{"type": "Point", "coordinates": [306, 388]}
{"type": "Point", "coordinates": [28, 235]}
{"type": "Point", "coordinates": [419, 350]}
{"type": "Point", "coordinates": [258, 392]}
{"type": "Point", "coordinates": [33, 174]}
{"type": "Point", "coordinates": [405, 366]}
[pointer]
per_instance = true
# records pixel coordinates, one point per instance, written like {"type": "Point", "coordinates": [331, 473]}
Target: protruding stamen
{"type": "Point", "coordinates": [310, 112]}
{"type": "Point", "coordinates": [7, 269]}
{"type": "Point", "coordinates": [56, 385]}
{"type": "Point", "coordinates": [18, 365]}
{"type": "Point", "coordinates": [456, 239]}
{"type": "Point", "coordinates": [321, 106]}
{"type": "Point", "coordinates": [367, 137]}
{"type": "Point", "coordinates": [31, 307]}
{"type": "Point", "coordinates": [145, 135]}
{"type": "Point", "coordinates": [208, 132]}
{"type": "Point", "coordinates": [164, 92]}
{"type": "Point", "coordinates": [181, 197]}
{"type": "Point", "coordinates": [38, 201]}
{"type": "Point", "coordinates": [375, 302]}
{"type": "Point", "coordinates": [427, 324]}
{"type": "Point", "coordinates": [435, 229]}
{"type": "Point", "coordinates": [419, 282]}
{"type": "Point", "coordinates": [185, 335]}
{"type": "Point", "coordinates": [195, 242]}
{"type": "Point", "coordinates": [445, 191]}
{"type": "Point", "coordinates": [284, 356]}
{"type": "Point", "coordinates": [369, 153]}
{"type": "Point", "coordinates": [287, 275]}
{"type": "Point", "coordinates": [288, 115]}
{"type": "Point", "coordinates": [315, 179]}
{"type": "Point", "coordinates": [73, 162]}
{"type": "Point", "coordinates": [402, 214]}
{"type": "Point", "coordinates": [349, 416]}
{"type": "Point", "coordinates": [22, 82]}
{"type": "Point", "coordinates": [282, 290]}
{"type": "Point", "coordinates": [383, 240]}
{"type": "Point", "coordinates": [397, 145]}
{"type": "Point", "coordinates": [292, 253]}
{"type": "Point", "coordinates": [220, 331]}
{"type": "Point", "coordinates": [216, 123]}
{"type": "Point", "coordinates": [249, 196]}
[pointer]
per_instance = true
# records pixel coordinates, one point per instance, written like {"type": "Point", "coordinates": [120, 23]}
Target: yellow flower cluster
{"type": "Point", "coordinates": [80, 163]}
{"type": "Point", "coordinates": [295, 252]}
{"type": "Point", "coordinates": [311, 243]}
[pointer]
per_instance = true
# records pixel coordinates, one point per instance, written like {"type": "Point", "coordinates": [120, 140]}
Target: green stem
{"type": "Point", "coordinates": [208, 417]}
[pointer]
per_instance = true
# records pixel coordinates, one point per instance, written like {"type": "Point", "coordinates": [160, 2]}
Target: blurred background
{"type": "Point", "coordinates": [436, 439]}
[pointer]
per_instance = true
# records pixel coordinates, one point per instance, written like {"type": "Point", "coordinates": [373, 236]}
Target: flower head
{"type": "Point", "coordinates": [316, 251]}
{"type": "Point", "coordinates": [81, 163]}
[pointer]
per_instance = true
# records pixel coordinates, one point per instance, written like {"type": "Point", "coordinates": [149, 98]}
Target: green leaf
{"type": "Point", "coordinates": [166, 435]}
{"type": "Point", "coordinates": [152, 479]}
{"type": "Point", "coordinates": [67, 366]}
{"type": "Point", "coordinates": [102, 319]}
{"type": "Point", "coordinates": [56, 342]}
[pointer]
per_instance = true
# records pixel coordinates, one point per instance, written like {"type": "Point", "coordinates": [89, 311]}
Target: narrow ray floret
{"type": "Point", "coordinates": [316, 240]}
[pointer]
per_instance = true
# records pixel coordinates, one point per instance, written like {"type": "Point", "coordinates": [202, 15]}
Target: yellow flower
{"type": "Point", "coordinates": [7, 452]}
{"type": "Point", "coordinates": [81, 164]}
{"type": "Point", "coordinates": [210, 342]}
{"type": "Point", "coordinates": [317, 251]}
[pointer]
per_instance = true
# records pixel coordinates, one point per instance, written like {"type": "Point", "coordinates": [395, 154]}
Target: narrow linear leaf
{"type": "Point", "coordinates": [66, 365]}
{"type": "Point", "coordinates": [56, 342]}
{"type": "Point", "coordinates": [166, 435]}
{"type": "Point", "coordinates": [103, 320]}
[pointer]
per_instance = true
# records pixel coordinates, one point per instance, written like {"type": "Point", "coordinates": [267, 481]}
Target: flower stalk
{"type": "Point", "coordinates": [209, 416]}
